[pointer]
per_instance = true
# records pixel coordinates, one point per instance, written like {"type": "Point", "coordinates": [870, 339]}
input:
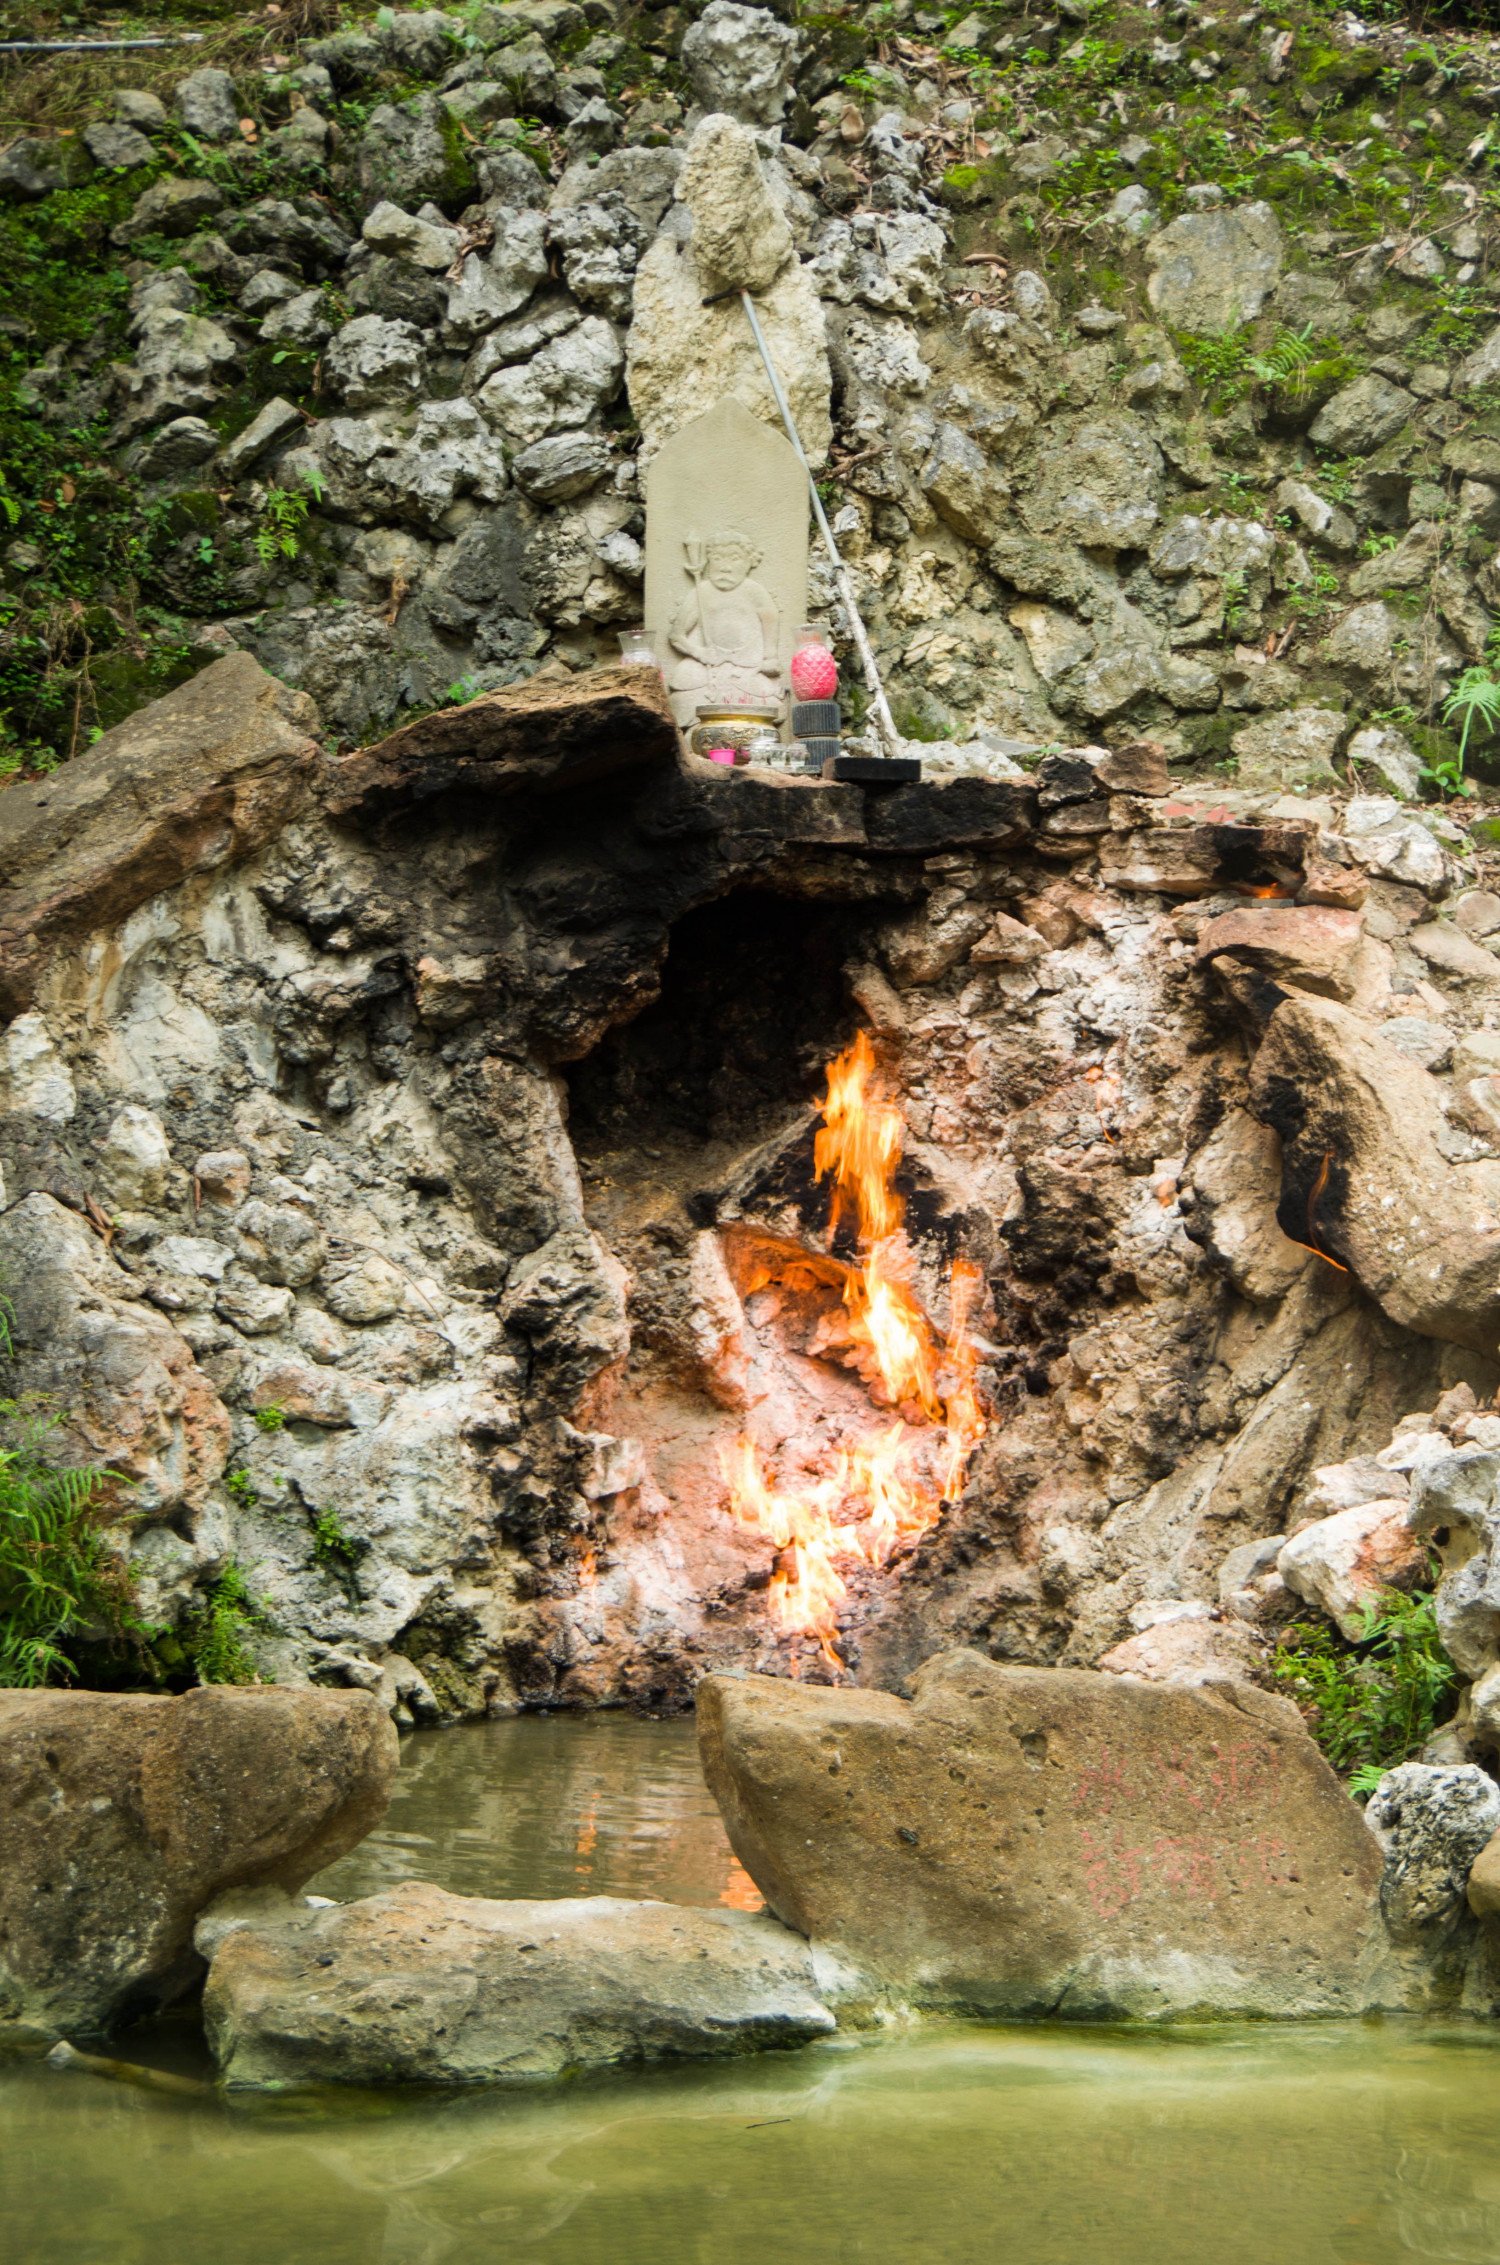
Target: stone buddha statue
{"type": "Point", "coordinates": [725, 633]}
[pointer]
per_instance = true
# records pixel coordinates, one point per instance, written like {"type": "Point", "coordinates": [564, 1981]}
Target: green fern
{"type": "Point", "coordinates": [59, 1585]}
{"type": "Point", "coordinates": [1284, 368]}
{"type": "Point", "coordinates": [1475, 699]}
{"type": "Point", "coordinates": [1376, 1702]}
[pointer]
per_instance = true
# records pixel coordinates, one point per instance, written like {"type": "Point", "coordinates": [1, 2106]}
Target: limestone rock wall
{"type": "Point", "coordinates": [369, 1188]}
{"type": "Point", "coordinates": [1134, 413]}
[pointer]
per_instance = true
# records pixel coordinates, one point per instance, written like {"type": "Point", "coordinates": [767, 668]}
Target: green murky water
{"type": "Point", "coordinates": [1359, 2143]}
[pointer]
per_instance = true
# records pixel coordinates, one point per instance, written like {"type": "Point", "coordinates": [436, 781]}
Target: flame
{"type": "Point", "coordinates": [890, 1486]}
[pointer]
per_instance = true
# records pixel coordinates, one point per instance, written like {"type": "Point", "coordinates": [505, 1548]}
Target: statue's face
{"type": "Point", "coordinates": [728, 567]}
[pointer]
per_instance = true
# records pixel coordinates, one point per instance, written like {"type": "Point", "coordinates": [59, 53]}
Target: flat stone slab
{"type": "Point", "coordinates": [417, 1986]}
{"type": "Point", "coordinates": [1021, 1840]}
{"type": "Point", "coordinates": [121, 1818]}
{"type": "Point", "coordinates": [536, 737]}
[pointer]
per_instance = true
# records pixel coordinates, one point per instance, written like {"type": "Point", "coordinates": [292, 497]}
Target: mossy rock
{"type": "Point", "coordinates": [193, 511]}
{"type": "Point", "coordinates": [1336, 73]}
{"type": "Point", "coordinates": [964, 186]}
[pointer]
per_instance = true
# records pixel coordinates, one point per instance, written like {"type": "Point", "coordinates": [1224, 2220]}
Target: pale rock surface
{"type": "Point", "coordinates": [1455, 1505]}
{"type": "Point", "coordinates": [419, 1986]}
{"type": "Point", "coordinates": [1385, 840]}
{"type": "Point", "coordinates": [563, 386]}
{"type": "Point", "coordinates": [741, 238]}
{"type": "Point", "coordinates": [1360, 417]}
{"type": "Point", "coordinates": [682, 355]}
{"type": "Point", "coordinates": [1189, 1651]}
{"type": "Point", "coordinates": [134, 1397]}
{"type": "Point", "coordinates": [1100, 483]}
{"type": "Point", "coordinates": [740, 60]}
{"type": "Point", "coordinates": [135, 1156]}
{"type": "Point", "coordinates": [207, 105]}
{"type": "Point", "coordinates": [1293, 747]}
{"type": "Point", "coordinates": [1213, 271]}
{"type": "Point", "coordinates": [372, 362]}
{"type": "Point", "coordinates": [1391, 757]}
{"type": "Point", "coordinates": [1346, 1564]}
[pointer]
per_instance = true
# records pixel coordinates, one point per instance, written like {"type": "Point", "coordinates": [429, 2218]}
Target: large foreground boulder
{"type": "Point", "coordinates": [420, 1986]}
{"type": "Point", "coordinates": [122, 1817]}
{"type": "Point", "coordinates": [1021, 1840]}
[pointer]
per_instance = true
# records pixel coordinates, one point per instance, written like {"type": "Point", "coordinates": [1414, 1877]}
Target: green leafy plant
{"type": "Point", "coordinates": [1310, 600]}
{"type": "Point", "coordinates": [1284, 366]}
{"type": "Point", "coordinates": [270, 1419]}
{"type": "Point", "coordinates": [334, 1548]}
{"type": "Point", "coordinates": [282, 516]}
{"type": "Point", "coordinates": [1235, 588]}
{"type": "Point", "coordinates": [1474, 700]}
{"type": "Point", "coordinates": [215, 1638]}
{"type": "Point", "coordinates": [242, 1486]}
{"type": "Point", "coordinates": [59, 1585]}
{"type": "Point", "coordinates": [1373, 1703]}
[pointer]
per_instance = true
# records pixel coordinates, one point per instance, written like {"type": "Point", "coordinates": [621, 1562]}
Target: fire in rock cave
{"type": "Point", "coordinates": [890, 1485]}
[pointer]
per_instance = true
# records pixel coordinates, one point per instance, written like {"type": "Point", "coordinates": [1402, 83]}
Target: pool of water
{"type": "Point", "coordinates": [1364, 2143]}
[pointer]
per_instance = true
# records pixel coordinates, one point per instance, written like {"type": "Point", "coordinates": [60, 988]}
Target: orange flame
{"type": "Point", "coordinates": [885, 1486]}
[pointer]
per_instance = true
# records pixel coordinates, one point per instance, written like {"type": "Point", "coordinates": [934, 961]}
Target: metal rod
{"type": "Point", "coordinates": [885, 722]}
{"type": "Point", "coordinates": [90, 46]}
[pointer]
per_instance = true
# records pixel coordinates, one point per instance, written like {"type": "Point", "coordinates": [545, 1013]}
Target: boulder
{"type": "Point", "coordinates": [495, 283]}
{"type": "Point", "coordinates": [599, 243]}
{"type": "Point", "coordinates": [1308, 947]}
{"type": "Point", "coordinates": [741, 237]}
{"type": "Point", "coordinates": [1213, 271]}
{"type": "Point", "coordinates": [1391, 757]}
{"type": "Point", "coordinates": [740, 60]}
{"type": "Point", "coordinates": [1361, 417]}
{"type": "Point", "coordinates": [125, 1816]}
{"type": "Point", "coordinates": [562, 386]}
{"type": "Point", "coordinates": [562, 466]}
{"type": "Point", "coordinates": [682, 353]}
{"type": "Point", "coordinates": [1345, 1564]}
{"type": "Point", "coordinates": [410, 152]}
{"type": "Point", "coordinates": [192, 781]}
{"type": "Point", "coordinates": [420, 1986]}
{"type": "Point", "coordinates": [890, 261]}
{"type": "Point", "coordinates": [208, 106]}
{"type": "Point", "coordinates": [372, 361]}
{"type": "Point", "coordinates": [1386, 841]}
{"type": "Point", "coordinates": [1432, 1824]}
{"type": "Point", "coordinates": [117, 147]}
{"type": "Point", "coordinates": [1020, 1840]}
{"type": "Point", "coordinates": [1364, 1178]}
{"type": "Point", "coordinates": [180, 358]}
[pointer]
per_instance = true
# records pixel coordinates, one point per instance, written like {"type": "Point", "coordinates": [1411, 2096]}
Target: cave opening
{"type": "Point", "coordinates": [754, 1001]}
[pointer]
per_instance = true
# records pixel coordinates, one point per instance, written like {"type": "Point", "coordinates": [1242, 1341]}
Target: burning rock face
{"type": "Point", "coordinates": [888, 1484]}
{"type": "Point", "coordinates": [491, 1115]}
